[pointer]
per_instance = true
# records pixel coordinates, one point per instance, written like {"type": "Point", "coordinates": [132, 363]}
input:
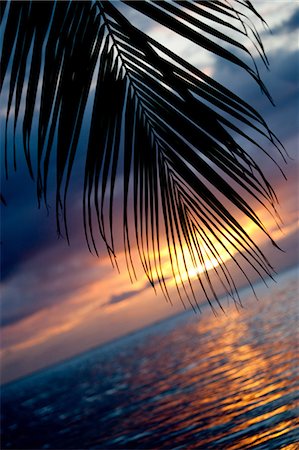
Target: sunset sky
{"type": "Point", "coordinates": [58, 301]}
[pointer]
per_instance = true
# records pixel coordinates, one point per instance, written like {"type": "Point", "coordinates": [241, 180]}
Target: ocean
{"type": "Point", "coordinates": [194, 381]}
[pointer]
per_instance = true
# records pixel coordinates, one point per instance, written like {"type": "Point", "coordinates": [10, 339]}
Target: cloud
{"type": "Point", "coordinates": [282, 83]}
{"type": "Point", "coordinates": [289, 25]}
{"type": "Point", "coordinates": [50, 276]}
{"type": "Point", "coordinates": [118, 298]}
{"type": "Point", "coordinates": [286, 67]}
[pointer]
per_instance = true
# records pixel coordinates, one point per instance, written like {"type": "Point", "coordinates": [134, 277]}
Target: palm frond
{"type": "Point", "coordinates": [161, 126]}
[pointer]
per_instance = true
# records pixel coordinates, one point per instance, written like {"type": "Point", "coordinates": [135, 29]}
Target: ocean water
{"type": "Point", "coordinates": [204, 382]}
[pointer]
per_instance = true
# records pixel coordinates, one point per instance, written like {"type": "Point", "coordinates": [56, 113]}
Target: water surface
{"type": "Point", "coordinates": [226, 382]}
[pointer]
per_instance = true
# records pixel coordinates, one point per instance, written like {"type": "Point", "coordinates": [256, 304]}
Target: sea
{"type": "Point", "coordinates": [195, 381]}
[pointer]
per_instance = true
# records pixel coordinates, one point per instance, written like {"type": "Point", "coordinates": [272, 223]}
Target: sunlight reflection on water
{"type": "Point", "coordinates": [226, 382]}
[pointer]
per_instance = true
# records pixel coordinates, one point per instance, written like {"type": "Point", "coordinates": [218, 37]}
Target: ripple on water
{"type": "Point", "coordinates": [226, 383]}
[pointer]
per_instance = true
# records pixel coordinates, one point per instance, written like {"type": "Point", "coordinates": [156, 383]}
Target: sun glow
{"type": "Point", "coordinates": [188, 263]}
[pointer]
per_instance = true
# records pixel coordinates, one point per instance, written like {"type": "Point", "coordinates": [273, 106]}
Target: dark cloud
{"type": "Point", "coordinates": [39, 288]}
{"type": "Point", "coordinates": [286, 67]}
{"type": "Point", "coordinates": [133, 292]}
{"type": "Point", "coordinates": [18, 305]}
{"type": "Point", "coordinates": [125, 295]}
{"type": "Point", "coordinates": [26, 229]}
{"type": "Point", "coordinates": [282, 81]}
{"type": "Point", "coordinates": [46, 282]}
{"type": "Point", "coordinates": [288, 25]}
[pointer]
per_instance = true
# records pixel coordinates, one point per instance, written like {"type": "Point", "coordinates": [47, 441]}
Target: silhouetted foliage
{"type": "Point", "coordinates": [159, 126]}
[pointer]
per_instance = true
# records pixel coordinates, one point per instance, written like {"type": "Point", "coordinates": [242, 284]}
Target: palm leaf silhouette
{"type": "Point", "coordinates": [159, 126]}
